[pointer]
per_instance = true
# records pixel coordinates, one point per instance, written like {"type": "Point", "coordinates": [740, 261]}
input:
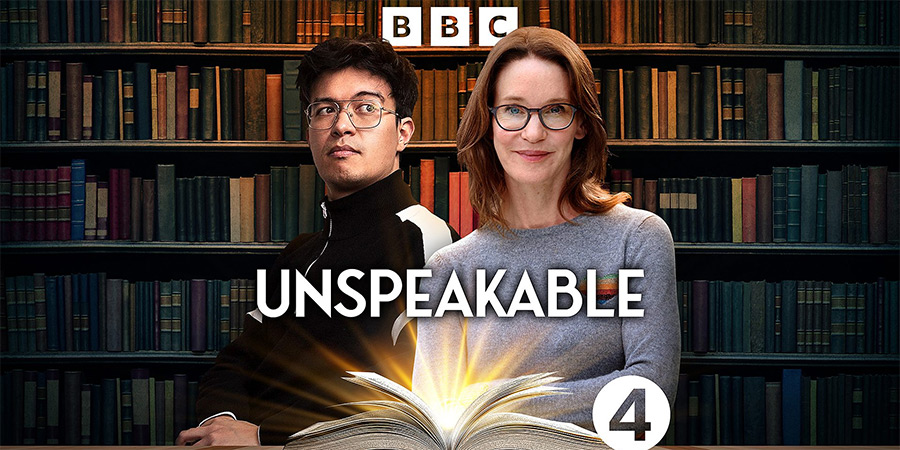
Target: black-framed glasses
{"type": "Point", "coordinates": [555, 116]}
{"type": "Point", "coordinates": [363, 114]}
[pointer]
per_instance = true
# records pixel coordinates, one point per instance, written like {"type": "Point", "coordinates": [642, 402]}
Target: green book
{"type": "Point", "coordinates": [165, 202]}
{"type": "Point", "coordinates": [226, 96]}
{"type": "Point", "coordinates": [208, 114]}
{"type": "Point", "coordinates": [292, 111]}
{"type": "Point", "coordinates": [793, 100]}
{"type": "Point", "coordinates": [223, 208]}
{"type": "Point", "coordinates": [307, 201]}
{"type": "Point", "coordinates": [182, 199]}
{"type": "Point", "coordinates": [442, 187]}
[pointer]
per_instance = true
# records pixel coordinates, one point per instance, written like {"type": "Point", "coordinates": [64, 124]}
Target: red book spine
{"type": "Point", "coordinates": [182, 102]}
{"type": "Point", "coordinates": [18, 205]}
{"type": "Point", "coordinates": [116, 21]}
{"type": "Point", "coordinates": [161, 111]}
{"type": "Point", "coordinates": [748, 209]}
{"type": "Point", "coordinates": [64, 202]}
{"type": "Point", "coordinates": [775, 103]}
{"type": "Point", "coordinates": [198, 315]}
{"type": "Point", "coordinates": [124, 204]}
{"type": "Point", "coordinates": [617, 21]}
{"type": "Point", "coordinates": [158, 20]}
{"type": "Point", "coordinates": [52, 205]}
{"type": "Point", "coordinates": [454, 201]}
{"type": "Point", "coordinates": [426, 184]}
{"type": "Point", "coordinates": [28, 206]}
{"type": "Point", "coordinates": [466, 214]}
{"type": "Point", "coordinates": [261, 202]}
{"type": "Point", "coordinates": [114, 203]}
{"type": "Point", "coordinates": [40, 205]}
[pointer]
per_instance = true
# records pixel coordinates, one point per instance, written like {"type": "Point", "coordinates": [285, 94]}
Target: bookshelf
{"type": "Point", "coordinates": [650, 159]}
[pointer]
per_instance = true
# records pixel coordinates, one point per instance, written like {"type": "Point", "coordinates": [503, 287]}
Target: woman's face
{"type": "Point", "coordinates": [534, 156]}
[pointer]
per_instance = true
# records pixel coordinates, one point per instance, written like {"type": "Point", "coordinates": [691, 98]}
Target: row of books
{"type": "Point", "coordinates": [71, 408]}
{"type": "Point", "coordinates": [723, 22]}
{"type": "Point", "coordinates": [91, 312]}
{"type": "Point", "coordinates": [715, 102]}
{"type": "Point", "coordinates": [854, 205]}
{"type": "Point", "coordinates": [199, 21]}
{"type": "Point", "coordinates": [67, 203]}
{"type": "Point", "coordinates": [869, 22]}
{"type": "Point", "coordinates": [790, 316]}
{"type": "Point", "coordinates": [718, 409]}
{"type": "Point", "coordinates": [49, 100]}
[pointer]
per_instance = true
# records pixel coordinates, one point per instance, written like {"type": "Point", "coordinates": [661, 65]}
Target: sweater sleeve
{"type": "Point", "coordinates": [652, 343]}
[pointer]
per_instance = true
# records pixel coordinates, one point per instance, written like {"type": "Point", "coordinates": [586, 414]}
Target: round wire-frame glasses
{"type": "Point", "coordinates": [363, 114]}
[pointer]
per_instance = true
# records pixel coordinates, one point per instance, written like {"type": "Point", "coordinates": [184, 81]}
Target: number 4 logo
{"type": "Point", "coordinates": [639, 426]}
{"type": "Point", "coordinates": [624, 410]}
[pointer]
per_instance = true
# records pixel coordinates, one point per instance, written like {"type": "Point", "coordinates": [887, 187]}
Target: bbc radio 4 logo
{"type": "Point", "coordinates": [402, 26]}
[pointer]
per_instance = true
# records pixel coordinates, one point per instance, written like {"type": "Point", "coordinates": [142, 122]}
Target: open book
{"type": "Point", "coordinates": [409, 424]}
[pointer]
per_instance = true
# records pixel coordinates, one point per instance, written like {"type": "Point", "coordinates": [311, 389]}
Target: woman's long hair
{"type": "Point", "coordinates": [583, 190]}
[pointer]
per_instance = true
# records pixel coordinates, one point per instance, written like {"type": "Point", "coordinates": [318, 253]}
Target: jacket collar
{"type": "Point", "coordinates": [362, 209]}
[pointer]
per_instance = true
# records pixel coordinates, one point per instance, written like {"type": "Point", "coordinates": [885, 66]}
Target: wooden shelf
{"type": "Point", "coordinates": [223, 248]}
{"type": "Point", "coordinates": [297, 50]}
{"type": "Point", "coordinates": [725, 248]}
{"type": "Point", "coordinates": [98, 358]}
{"type": "Point", "coordinates": [193, 248]}
{"type": "Point", "coordinates": [616, 145]}
{"type": "Point", "coordinates": [789, 359]}
{"type": "Point", "coordinates": [687, 359]}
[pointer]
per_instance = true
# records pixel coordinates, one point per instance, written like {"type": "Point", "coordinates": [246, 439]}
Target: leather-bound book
{"type": "Point", "coordinates": [755, 107]}
{"type": "Point", "coordinates": [775, 106]}
{"type": "Point", "coordinates": [224, 99]}
{"type": "Point", "coordinates": [165, 202]}
{"type": "Point", "coordinates": [182, 101]}
{"type": "Point", "coordinates": [54, 97]}
{"type": "Point", "coordinates": [748, 210]}
{"type": "Point", "coordinates": [161, 105]}
{"type": "Point", "coordinates": [110, 105]}
{"type": "Point", "coordinates": [194, 106]}
{"type": "Point", "coordinates": [208, 116]}
{"type": "Point", "coordinates": [878, 204]}
{"type": "Point", "coordinates": [651, 199]}
{"type": "Point", "coordinates": [148, 210]}
{"type": "Point", "coordinates": [644, 114]}
{"type": "Point", "coordinates": [74, 102]}
{"type": "Point", "coordinates": [247, 209]}
{"type": "Point", "coordinates": [428, 102]}
{"type": "Point", "coordinates": [199, 21]}
{"type": "Point", "coordinates": [764, 208]}
{"type": "Point", "coordinates": [257, 21]}
{"type": "Point", "coordinates": [237, 104]}
{"type": "Point", "coordinates": [440, 105]}
{"type": "Point", "coordinates": [288, 24]}
{"type": "Point", "coordinates": [793, 100]}
{"type": "Point", "coordinates": [663, 105]}
{"type": "Point", "coordinates": [142, 105]}
{"type": "Point", "coordinates": [710, 102]}
{"type": "Point", "coordinates": [611, 103]}
{"type": "Point", "coordinates": [219, 20]}
{"type": "Point", "coordinates": [261, 207]}
{"type": "Point", "coordinates": [198, 315]}
{"type": "Point", "coordinates": [739, 101]}
{"type": "Point", "coordinates": [426, 184]}
{"type": "Point", "coordinates": [683, 101]}
{"type": "Point", "coordinates": [274, 124]}
{"type": "Point", "coordinates": [255, 104]}
{"type": "Point", "coordinates": [809, 178]}
{"type": "Point", "coordinates": [277, 198]}
{"type": "Point", "coordinates": [307, 201]}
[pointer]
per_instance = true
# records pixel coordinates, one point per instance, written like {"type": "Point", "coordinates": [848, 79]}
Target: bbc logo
{"type": "Point", "coordinates": [402, 26]}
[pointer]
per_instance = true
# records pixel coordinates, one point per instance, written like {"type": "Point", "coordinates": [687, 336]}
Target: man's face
{"type": "Point", "coordinates": [349, 159]}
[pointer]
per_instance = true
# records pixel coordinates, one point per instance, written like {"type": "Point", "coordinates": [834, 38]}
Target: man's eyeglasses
{"type": "Point", "coordinates": [363, 114]}
{"type": "Point", "coordinates": [555, 116]}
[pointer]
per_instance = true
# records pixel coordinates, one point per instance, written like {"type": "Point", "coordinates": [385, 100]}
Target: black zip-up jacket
{"type": "Point", "coordinates": [284, 373]}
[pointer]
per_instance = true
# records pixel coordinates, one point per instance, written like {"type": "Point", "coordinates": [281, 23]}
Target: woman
{"type": "Point", "coordinates": [536, 183]}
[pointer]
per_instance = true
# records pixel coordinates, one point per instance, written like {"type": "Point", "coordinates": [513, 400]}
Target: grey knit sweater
{"type": "Point", "coordinates": [587, 352]}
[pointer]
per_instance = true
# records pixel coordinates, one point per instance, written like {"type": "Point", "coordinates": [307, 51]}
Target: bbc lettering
{"type": "Point", "coordinates": [402, 26]}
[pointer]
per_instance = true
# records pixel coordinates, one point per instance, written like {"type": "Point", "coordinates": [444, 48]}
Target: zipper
{"type": "Point", "coordinates": [324, 216]}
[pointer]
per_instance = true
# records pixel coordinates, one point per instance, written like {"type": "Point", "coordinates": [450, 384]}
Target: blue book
{"type": "Point", "coordinates": [142, 107]}
{"type": "Point", "coordinates": [789, 316]}
{"type": "Point", "coordinates": [53, 324]}
{"type": "Point", "coordinates": [770, 317]}
{"type": "Point", "coordinates": [30, 314]}
{"type": "Point", "coordinates": [794, 193]}
{"type": "Point", "coordinates": [737, 316]}
{"type": "Point", "coordinates": [821, 209]}
{"type": "Point", "coordinates": [727, 335]}
{"type": "Point", "coordinates": [726, 409]}
{"type": "Point", "coordinates": [108, 435]}
{"type": "Point", "coordinates": [94, 311]}
{"type": "Point", "coordinates": [78, 199]}
{"type": "Point", "coordinates": [791, 382]}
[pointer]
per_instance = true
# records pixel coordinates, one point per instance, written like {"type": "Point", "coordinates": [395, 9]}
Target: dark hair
{"type": "Point", "coordinates": [365, 52]}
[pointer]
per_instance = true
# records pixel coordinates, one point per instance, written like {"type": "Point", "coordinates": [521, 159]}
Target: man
{"type": "Point", "coordinates": [284, 374]}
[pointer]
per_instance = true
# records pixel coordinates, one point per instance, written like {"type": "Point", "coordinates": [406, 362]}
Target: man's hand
{"type": "Point", "coordinates": [222, 430]}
